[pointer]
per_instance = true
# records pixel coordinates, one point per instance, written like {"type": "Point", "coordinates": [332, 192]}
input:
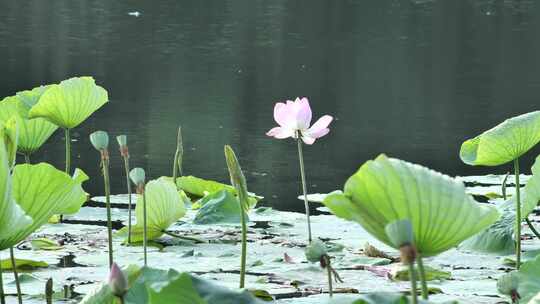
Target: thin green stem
{"type": "Point", "coordinates": [2, 294]}
{"type": "Point", "coordinates": [422, 274]}
{"type": "Point", "coordinates": [68, 151]}
{"type": "Point", "coordinates": [531, 226]}
{"type": "Point", "coordinates": [329, 274]}
{"type": "Point", "coordinates": [183, 237]}
{"type": "Point", "coordinates": [128, 183]}
{"type": "Point", "coordinates": [518, 214]}
{"type": "Point", "coordinates": [145, 235]}
{"type": "Point", "coordinates": [15, 274]}
{"type": "Point", "coordinates": [244, 248]}
{"type": "Point", "coordinates": [177, 165]}
{"type": "Point", "coordinates": [304, 186]}
{"type": "Point", "coordinates": [412, 277]}
{"type": "Point", "coordinates": [105, 166]}
{"type": "Point", "coordinates": [27, 158]}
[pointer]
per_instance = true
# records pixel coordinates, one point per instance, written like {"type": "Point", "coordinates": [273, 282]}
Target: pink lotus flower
{"type": "Point", "coordinates": [117, 281]}
{"type": "Point", "coordinates": [294, 117]}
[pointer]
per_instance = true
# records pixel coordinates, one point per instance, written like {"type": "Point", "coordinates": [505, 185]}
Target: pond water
{"type": "Point", "coordinates": [412, 79]}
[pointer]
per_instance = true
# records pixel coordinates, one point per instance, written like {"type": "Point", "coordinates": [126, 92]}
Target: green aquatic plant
{"type": "Point", "coordinates": [294, 120]}
{"type": "Point", "coordinates": [239, 181]}
{"type": "Point", "coordinates": [33, 133]}
{"type": "Point", "coordinates": [178, 155]}
{"type": "Point", "coordinates": [124, 152]}
{"type": "Point", "coordinates": [138, 176]}
{"type": "Point", "coordinates": [68, 104]}
{"type": "Point", "coordinates": [502, 144]}
{"type": "Point", "coordinates": [157, 286]}
{"type": "Point", "coordinates": [385, 190]}
{"type": "Point", "coordinates": [100, 141]}
{"type": "Point", "coordinates": [508, 285]}
{"type": "Point", "coordinates": [164, 207]}
{"type": "Point", "coordinates": [400, 234]}
{"type": "Point", "coordinates": [317, 252]}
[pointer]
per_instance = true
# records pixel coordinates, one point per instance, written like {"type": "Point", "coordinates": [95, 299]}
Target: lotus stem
{"type": "Point", "coordinates": [531, 226]}
{"type": "Point", "coordinates": [304, 187]}
{"type": "Point", "coordinates": [107, 183]}
{"type": "Point", "coordinates": [422, 273]}
{"type": "Point", "coordinates": [126, 166]}
{"type": "Point", "coordinates": [15, 274]}
{"type": "Point", "coordinates": [68, 150]}
{"type": "Point", "coordinates": [27, 158]}
{"type": "Point", "coordinates": [329, 274]}
{"type": "Point", "coordinates": [2, 294]}
{"type": "Point", "coordinates": [412, 277]}
{"type": "Point", "coordinates": [49, 291]}
{"type": "Point", "coordinates": [518, 214]}
{"type": "Point", "coordinates": [178, 155]}
{"type": "Point", "coordinates": [183, 237]}
{"type": "Point", "coordinates": [244, 248]}
{"type": "Point", "coordinates": [145, 235]}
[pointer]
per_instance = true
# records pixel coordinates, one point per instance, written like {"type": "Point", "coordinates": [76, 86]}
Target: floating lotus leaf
{"type": "Point", "coordinates": [156, 286]}
{"type": "Point", "coordinates": [12, 217]}
{"type": "Point", "coordinates": [33, 133]}
{"type": "Point", "coordinates": [386, 189]}
{"type": "Point", "coordinates": [503, 143]}
{"type": "Point", "coordinates": [71, 102]}
{"type": "Point", "coordinates": [164, 206]}
{"type": "Point", "coordinates": [42, 191]}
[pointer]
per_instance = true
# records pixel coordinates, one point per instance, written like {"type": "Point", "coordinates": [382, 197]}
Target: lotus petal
{"type": "Point", "coordinates": [69, 103]}
{"type": "Point", "coordinates": [42, 191]}
{"type": "Point", "coordinates": [503, 143]}
{"type": "Point", "coordinates": [386, 189]}
{"type": "Point", "coordinates": [33, 133]}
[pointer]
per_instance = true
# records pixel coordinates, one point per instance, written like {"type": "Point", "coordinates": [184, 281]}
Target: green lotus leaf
{"type": "Point", "coordinates": [529, 280]}
{"type": "Point", "coordinates": [41, 191]}
{"type": "Point", "coordinates": [387, 189]}
{"type": "Point", "coordinates": [9, 134]}
{"type": "Point", "coordinates": [497, 238]}
{"type": "Point", "coordinates": [156, 286]}
{"type": "Point", "coordinates": [33, 133]}
{"type": "Point", "coordinates": [164, 206]}
{"type": "Point", "coordinates": [531, 191]}
{"type": "Point", "coordinates": [379, 298]}
{"type": "Point", "coordinates": [503, 143]}
{"type": "Point", "coordinates": [200, 187]}
{"type": "Point", "coordinates": [23, 264]}
{"type": "Point", "coordinates": [71, 102]}
{"type": "Point", "coordinates": [12, 217]}
{"type": "Point", "coordinates": [218, 207]}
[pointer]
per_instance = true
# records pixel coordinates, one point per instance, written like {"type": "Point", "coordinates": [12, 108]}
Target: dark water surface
{"type": "Point", "coordinates": [412, 79]}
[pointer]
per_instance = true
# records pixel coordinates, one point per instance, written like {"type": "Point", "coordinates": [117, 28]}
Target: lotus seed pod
{"type": "Point", "coordinates": [508, 283]}
{"type": "Point", "coordinates": [117, 281]}
{"type": "Point", "coordinates": [100, 140]}
{"type": "Point", "coordinates": [122, 140]}
{"type": "Point", "coordinates": [400, 233]}
{"type": "Point", "coordinates": [315, 251]}
{"type": "Point", "coordinates": [137, 176]}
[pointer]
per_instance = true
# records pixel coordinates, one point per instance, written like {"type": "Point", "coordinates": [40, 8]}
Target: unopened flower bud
{"type": "Point", "coordinates": [117, 281]}
{"type": "Point", "coordinates": [238, 180]}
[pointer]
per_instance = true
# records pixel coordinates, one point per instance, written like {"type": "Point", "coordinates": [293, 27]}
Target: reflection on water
{"type": "Point", "coordinates": [412, 79]}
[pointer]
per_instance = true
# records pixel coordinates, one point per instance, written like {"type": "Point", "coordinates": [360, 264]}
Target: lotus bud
{"type": "Point", "coordinates": [100, 140]}
{"type": "Point", "coordinates": [122, 142]}
{"type": "Point", "coordinates": [49, 291]}
{"type": "Point", "coordinates": [117, 281]}
{"type": "Point", "coordinates": [238, 180]}
{"type": "Point", "coordinates": [400, 234]}
{"type": "Point", "coordinates": [315, 251]}
{"type": "Point", "coordinates": [137, 176]}
{"type": "Point", "coordinates": [508, 285]}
